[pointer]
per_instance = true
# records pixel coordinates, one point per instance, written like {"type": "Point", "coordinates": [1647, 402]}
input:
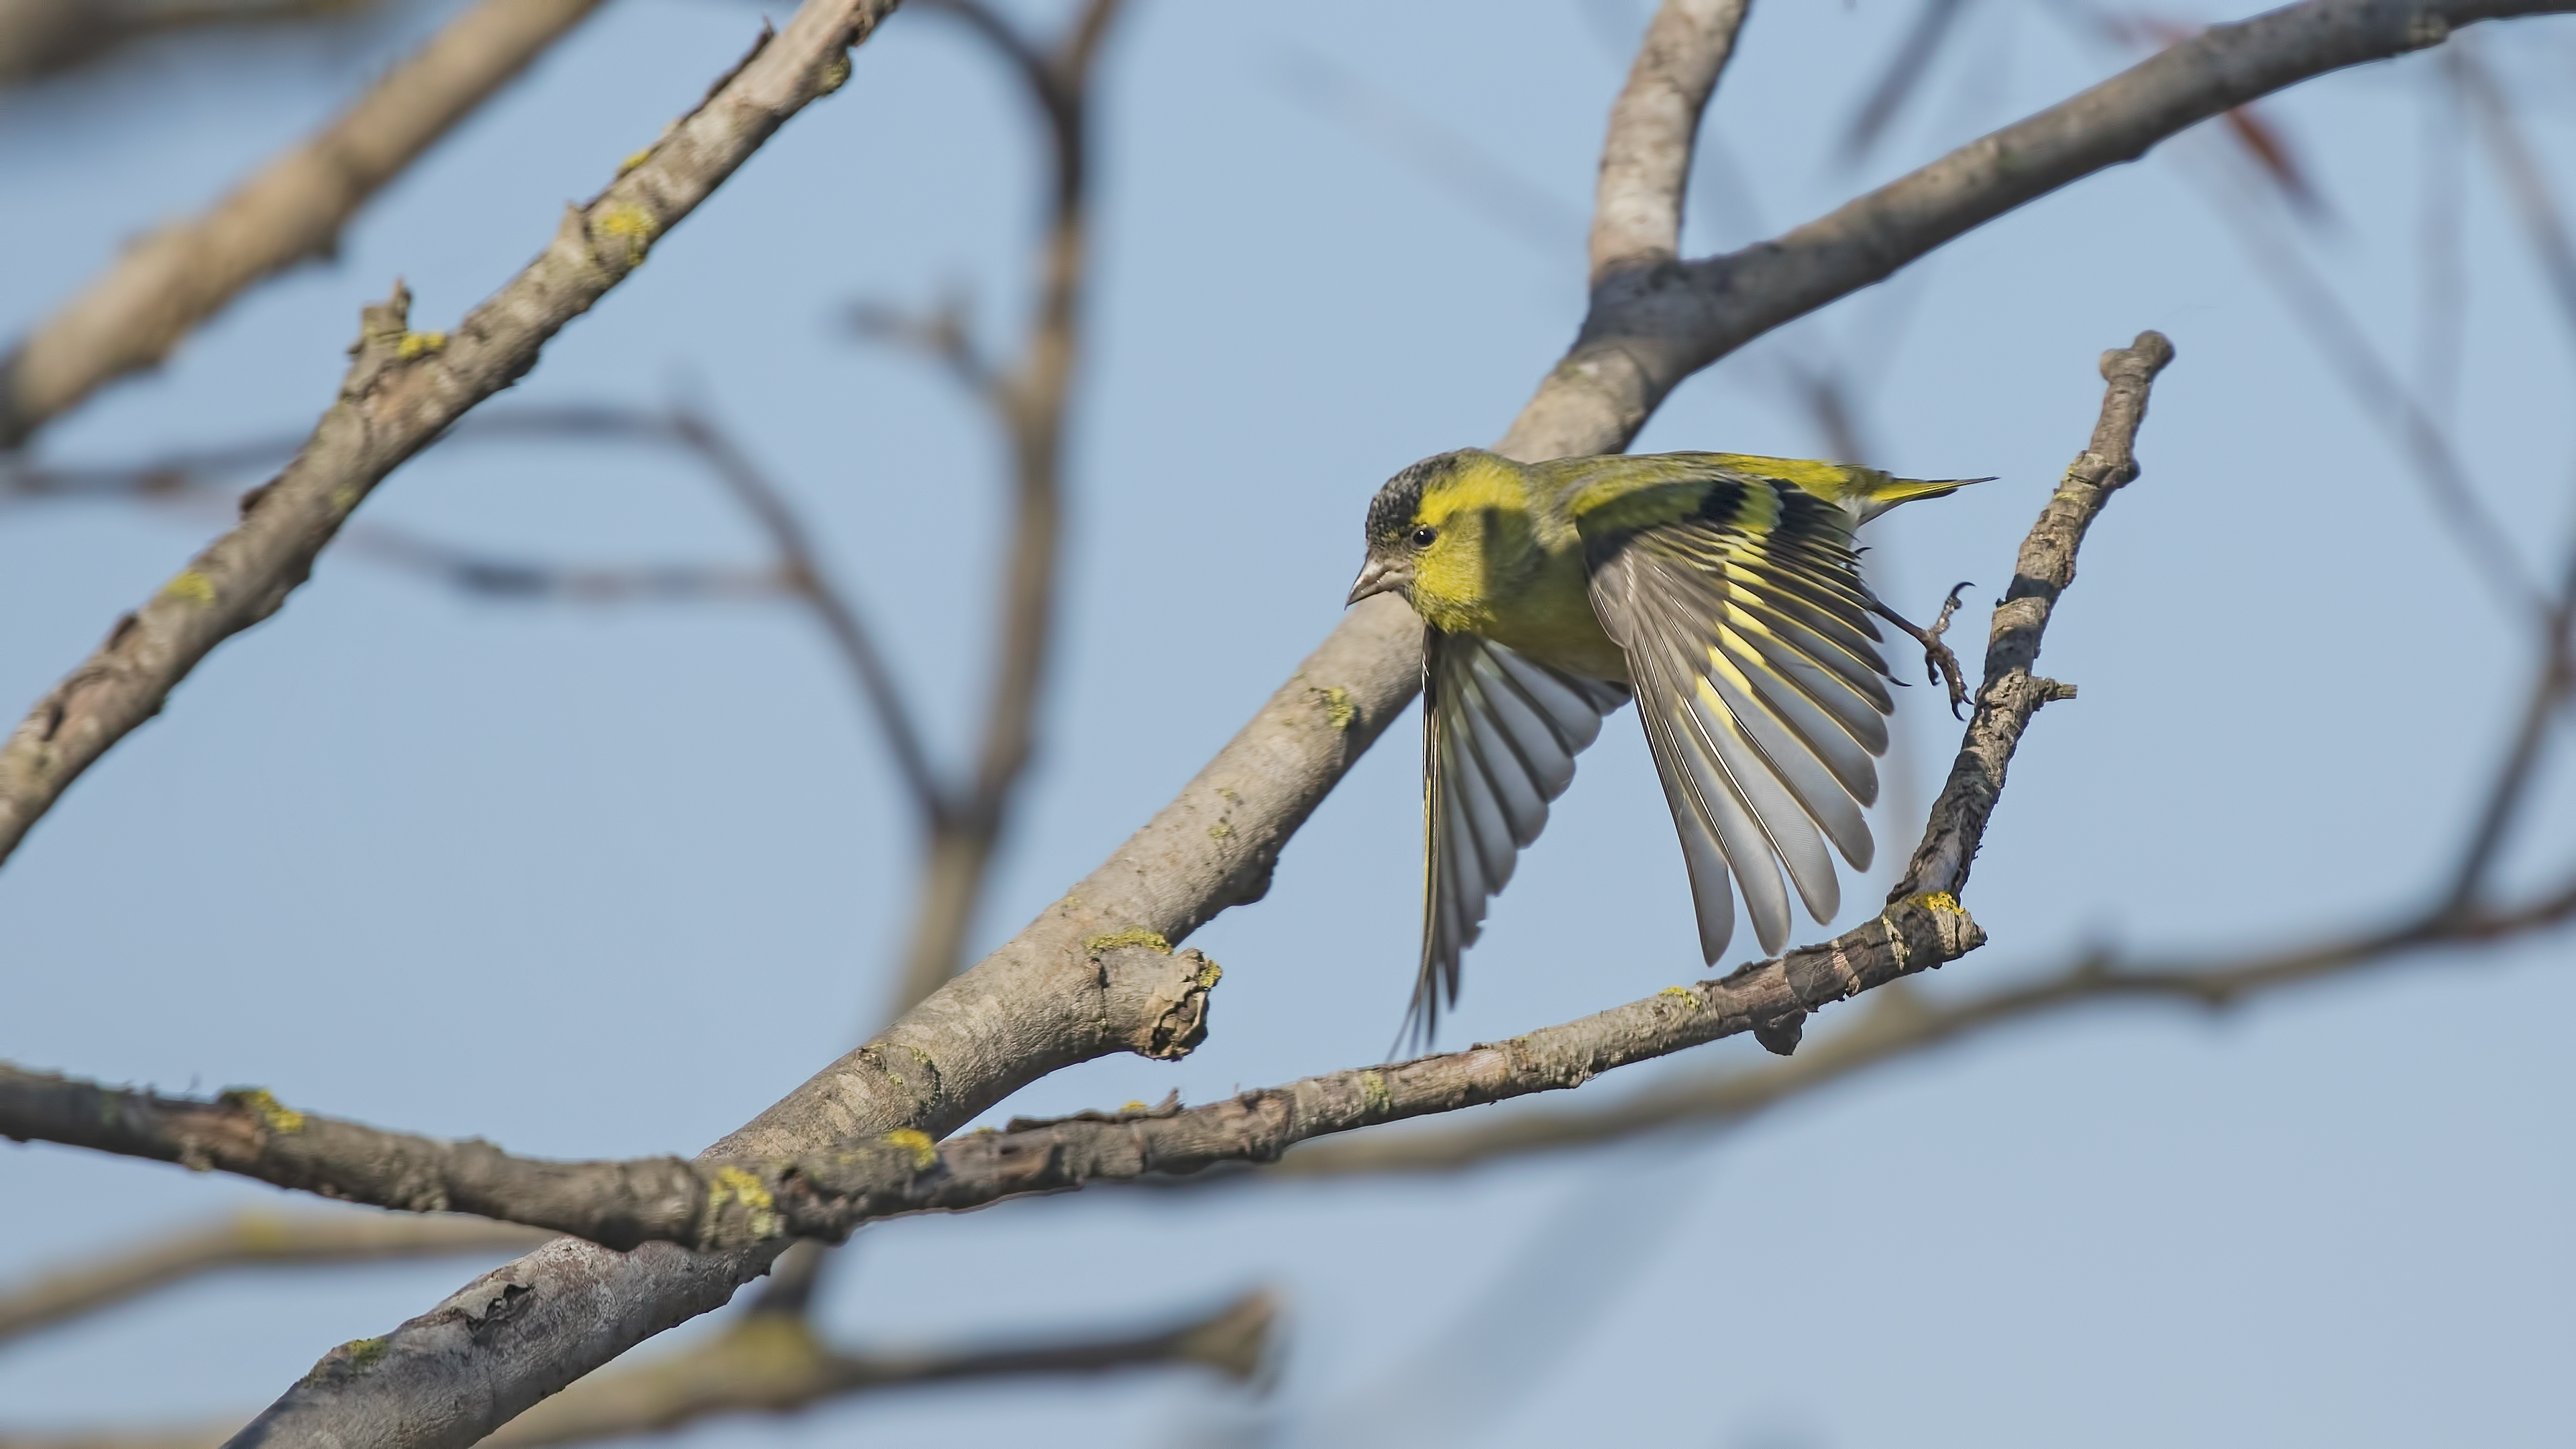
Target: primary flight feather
{"type": "Point", "coordinates": [1720, 590]}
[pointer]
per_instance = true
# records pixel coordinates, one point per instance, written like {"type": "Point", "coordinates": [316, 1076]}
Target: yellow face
{"type": "Point", "coordinates": [1453, 535]}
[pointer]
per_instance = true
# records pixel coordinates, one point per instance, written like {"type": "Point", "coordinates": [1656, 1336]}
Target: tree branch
{"type": "Point", "coordinates": [291, 209]}
{"type": "Point", "coordinates": [403, 389]}
{"type": "Point", "coordinates": [1028, 1008]}
{"type": "Point", "coordinates": [1650, 328]}
{"type": "Point", "coordinates": [241, 1240]}
{"type": "Point", "coordinates": [773, 1363]}
{"type": "Point", "coordinates": [721, 1204]}
{"type": "Point", "coordinates": [1028, 400]}
{"type": "Point", "coordinates": [1645, 162]}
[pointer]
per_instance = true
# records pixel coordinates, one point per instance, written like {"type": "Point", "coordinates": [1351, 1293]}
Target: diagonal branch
{"type": "Point", "coordinates": [403, 389]}
{"type": "Point", "coordinates": [290, 210]}
{"type": "Point", "coordinates": [720, 1204]}
{"type": "Point", "coordinates": [1647, 330]}
{"type": "Point", "coordinates": [1033, 1004]}
{"type": "Point", "coordinates": [1645, 162]}
{"type": "Point", "coordinates": [1028, 400]}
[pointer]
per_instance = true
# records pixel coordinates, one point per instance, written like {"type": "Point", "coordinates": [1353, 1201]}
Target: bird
{"type": "Point", "coordinates": [1721, 591]}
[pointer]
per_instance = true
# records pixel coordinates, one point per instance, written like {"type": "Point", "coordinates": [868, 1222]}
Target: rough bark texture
{"type": "Point", "coordinates": [1645, 162]}
{"type": "Point", "coordinates": [2011, 692]}
{"type": "Point", "coordinates": [403, 389]}
{"type": "Point", "coordinates": [292, 209]}
{"type": "Point", "coordinates": [518, 1334]}
{"type": "Point", "coordinates": [736, 1208]}
{"type": "Point", "coordinates": [1649, 328]}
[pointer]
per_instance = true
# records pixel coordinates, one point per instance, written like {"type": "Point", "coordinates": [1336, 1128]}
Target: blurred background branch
{"type": "Point", "coordinates": [45, 37]}
{"type": "Point", "coordinates": [288, 211]}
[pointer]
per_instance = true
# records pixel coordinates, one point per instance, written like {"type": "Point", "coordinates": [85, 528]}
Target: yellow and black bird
{"type": "Point", "coordinates": [1720, 590]}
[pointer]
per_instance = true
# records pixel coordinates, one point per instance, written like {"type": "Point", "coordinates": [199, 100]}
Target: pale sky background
{"type": "Point", "coordinates": [597, 882]}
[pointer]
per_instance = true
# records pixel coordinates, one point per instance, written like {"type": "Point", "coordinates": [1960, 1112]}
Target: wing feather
{"type": "Point", "coordinates": [1500, 733]}
{"type": "Point", "coordinates": [1747, 631]}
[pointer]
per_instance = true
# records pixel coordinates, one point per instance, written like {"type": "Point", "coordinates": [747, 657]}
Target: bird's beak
{"type": "Point", "coordinates": [1379, 577]}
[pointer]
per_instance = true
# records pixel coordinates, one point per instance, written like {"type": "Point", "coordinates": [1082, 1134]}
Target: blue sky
{"type": "Point", "coordinates": [598, 882]}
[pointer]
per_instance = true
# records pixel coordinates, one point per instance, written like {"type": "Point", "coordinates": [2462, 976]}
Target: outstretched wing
{"type": "Point", "coordinates": [1747, 630]}
{"type": "Point", "coordinates": [1499, 735]}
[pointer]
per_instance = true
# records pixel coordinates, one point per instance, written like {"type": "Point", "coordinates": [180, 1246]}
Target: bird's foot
{"type": "Point", "coordinates": [1940, 666]}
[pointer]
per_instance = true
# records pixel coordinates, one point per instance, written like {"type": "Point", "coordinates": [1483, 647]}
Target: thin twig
{"type": "Point", "coordinates": [243, 1239]}
{"type": "Point", "coordinates": [767, 1363]}
{"type": "Point", "coordinates": [1028, 400]}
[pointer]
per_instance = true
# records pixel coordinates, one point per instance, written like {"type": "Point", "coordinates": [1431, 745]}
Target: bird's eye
{"type": "Point", "coordinates": [1422, 537]}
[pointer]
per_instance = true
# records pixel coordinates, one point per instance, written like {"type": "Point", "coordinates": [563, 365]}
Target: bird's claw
{"type": "Point", "coordinates": [1940, 666]}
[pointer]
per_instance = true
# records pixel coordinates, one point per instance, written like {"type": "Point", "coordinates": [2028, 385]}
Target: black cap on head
{"type": "Point", "coordinates": [1392, 512]}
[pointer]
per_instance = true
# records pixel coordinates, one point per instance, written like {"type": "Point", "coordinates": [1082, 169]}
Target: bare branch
{"type": "Point", "coordinates": [404, 389]}
{"type": "Point", "coordinates": [770, 1363]}
{"type": "Point", "coordinates": [809, 579]}
{"type": "Point", "coordinates": [1645, 162]}
{"type": "Point", "coordinates": [1028, 401]}
{"type": "Point", "coordinates": [739, 1202]}
{"type": "Point", "coordinates": [2011, 693]}
{"type": "Point", "coordinates": [290, 210]}
{"type": "Point", "coordinates": [1032, 1005]}
{"type": "Point", "coordinates": [40, 37]}
{"type": "Point", "coordinates": [264, 1238]}
{"type": "Point", "coordinates": [2535, 203]}
{"type": "Point", "coordinates": [2389, 405]}
{"type": "Point", "coordinates": [1933, 23]}
{"type": "Point", "coordinates": [1650, 328]}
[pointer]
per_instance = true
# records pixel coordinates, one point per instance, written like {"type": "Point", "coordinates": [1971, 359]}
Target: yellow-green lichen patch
{"type": "Point", "coordinates": [260, 1102]}
{"type": "Point", "coordinates": [416, 345]}
{"type": "Point", "coordinates": [192, 586]}
{"type": "Point", "coordinates": [1339, 710]}
{"type": "Point", "coordinates": [366, 1353]}
{"type": "Point", "coordinates": [628, 223]}
{"type": "Point", "coordinates": [1682, 994]}
{"type": "Point", "coordinates": [746, 1188]}
{"type": "Point", "coordinates": [1131, 936]}
{"type": "Point", "coordinates": [1133, 1107]}
{"type": "Point", "coordinates": [1941, 902]}
{"type": "Point", "coordinates": [917, 1142]}
{"type": "Point", "coordinates": [1208, 978]}
{"type": "Point", "coordinates": [1373, 1091]}
{"type": "Point", "coordinates": [634, 159]}
{"type": "Point", "coordinates": [835, 75]}
{"type": "Point", "coordinates": [1220, 830]}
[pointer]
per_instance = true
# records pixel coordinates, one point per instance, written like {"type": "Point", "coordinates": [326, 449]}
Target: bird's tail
{"type": "Point", "coordinates": [1879, 492]}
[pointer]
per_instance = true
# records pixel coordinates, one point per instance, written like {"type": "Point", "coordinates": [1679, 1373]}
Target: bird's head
{"type": "Point", "coordinates": [1432, 531]}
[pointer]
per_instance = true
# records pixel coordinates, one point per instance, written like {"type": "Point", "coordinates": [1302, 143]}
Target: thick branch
{"type": "Point", "coordinates": [403, 389]}
{"type": "Point", "coordinates": [241, 1240]}
{"type": "Point", "coordinates": [1023, 1012]}
{"type": "Point", "coordinates": [747, 1202]}
{"type": "Point", "coordinates": [290, 210]}
{"type": "Point", "coordinates": [1645, 162]}
{"type": "Point", "coordinates": [1648, 329]}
